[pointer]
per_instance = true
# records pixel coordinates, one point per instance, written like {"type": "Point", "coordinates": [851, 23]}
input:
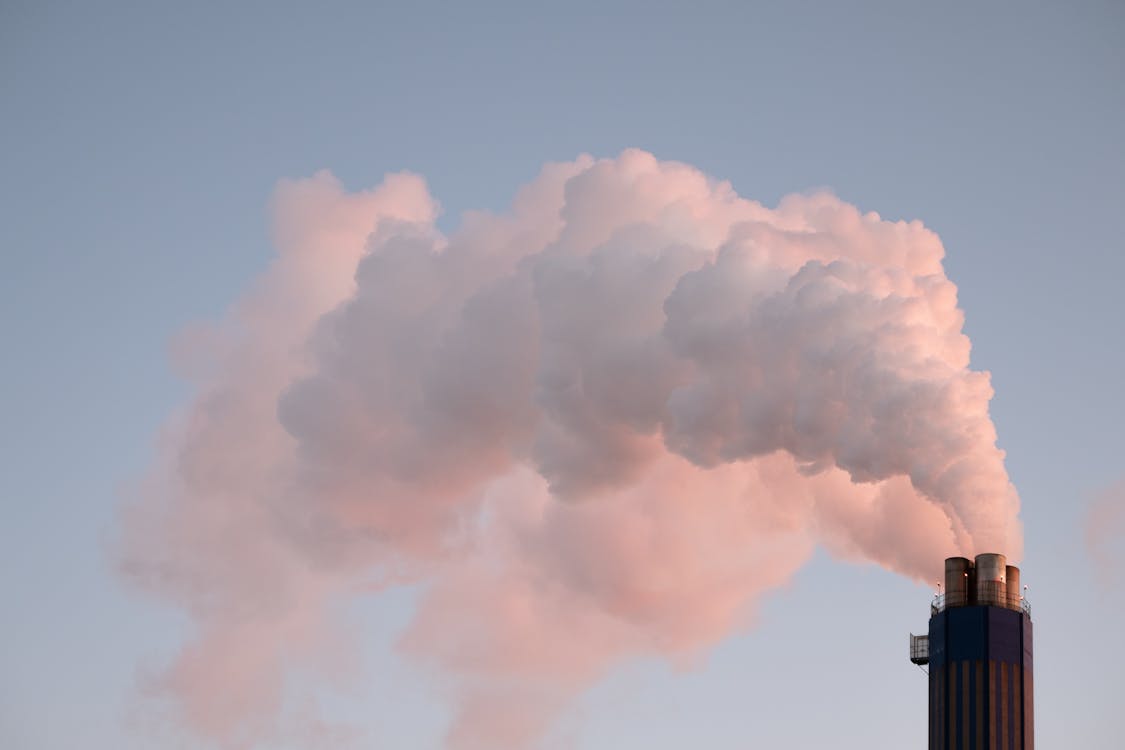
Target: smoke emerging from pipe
{"type": "Point", "coordinates": [595, 427]}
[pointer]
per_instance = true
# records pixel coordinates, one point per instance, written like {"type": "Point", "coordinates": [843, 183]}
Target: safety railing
{"type": "Point", "coordinates": [920, 649]}
{"type": "Point", "coordinates": [993, 594]}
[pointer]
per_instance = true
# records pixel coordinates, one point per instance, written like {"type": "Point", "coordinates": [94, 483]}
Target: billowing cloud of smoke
{"type": "Point", "coordinates": [597, 426]}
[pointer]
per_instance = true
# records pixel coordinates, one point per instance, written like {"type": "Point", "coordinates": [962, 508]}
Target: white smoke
{"type": "Point", "coordinates": [597, 426]}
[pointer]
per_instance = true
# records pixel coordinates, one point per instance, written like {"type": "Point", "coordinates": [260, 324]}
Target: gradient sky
{"type": "Point", "coordinates": [139, 147]}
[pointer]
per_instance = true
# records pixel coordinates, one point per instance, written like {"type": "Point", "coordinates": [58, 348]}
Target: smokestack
{"type": "Point", "coordinates": [957, 581]}
{"type": "Point", "coordinates": [991, 587]}
{"type": "Point", "coordinates": [1014, 594]}
{"type": "Point", "coordinates": [979, 653]}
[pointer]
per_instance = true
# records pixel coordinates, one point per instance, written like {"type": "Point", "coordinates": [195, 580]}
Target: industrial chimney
{"type": "Point", "coordinates": [979, 654]}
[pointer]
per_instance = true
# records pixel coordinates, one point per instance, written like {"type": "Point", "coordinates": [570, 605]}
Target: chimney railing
{"type": "Point", "coordinates": [994, 596]}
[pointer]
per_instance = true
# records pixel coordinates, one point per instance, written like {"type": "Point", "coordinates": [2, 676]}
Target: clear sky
{"type": "Point", "coordinates": [139, 146]}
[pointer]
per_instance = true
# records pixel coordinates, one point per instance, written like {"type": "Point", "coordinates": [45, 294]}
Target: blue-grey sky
{"type": "Point", "coordinates": [140, 145]}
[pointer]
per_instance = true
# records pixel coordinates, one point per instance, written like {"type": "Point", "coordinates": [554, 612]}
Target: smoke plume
{"type": "Point", "coordinates": [597, 426]}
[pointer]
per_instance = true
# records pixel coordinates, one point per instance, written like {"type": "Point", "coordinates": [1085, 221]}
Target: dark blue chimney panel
{"type": "Point", "coordinates": [937, 640]}
{"type": "Point", "coordinates": [967, 639]}
{"type": "Point", "coordinates": [1005, 642]}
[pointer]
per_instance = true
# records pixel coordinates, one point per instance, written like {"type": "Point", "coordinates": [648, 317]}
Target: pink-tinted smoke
{"type": "Point", "coordinates": [1105, 533]}
{"type": "Point", "coordinates": [599, 425]}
